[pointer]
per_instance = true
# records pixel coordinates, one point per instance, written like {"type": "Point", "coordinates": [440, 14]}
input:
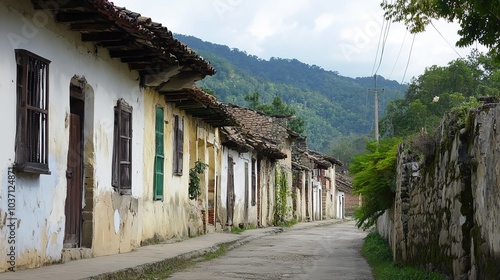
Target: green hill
{"type": "Point", "coordinates": [332, 105]}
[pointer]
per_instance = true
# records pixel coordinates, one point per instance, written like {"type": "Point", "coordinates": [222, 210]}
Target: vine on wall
{"type": "Point", "coordinates": [194, 179]}
{"type": "Point", "coordinates": [281, 207]}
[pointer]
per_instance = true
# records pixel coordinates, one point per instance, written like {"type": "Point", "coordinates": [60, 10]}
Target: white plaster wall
{"type": "Point", "coordinates": [41, 198]}
{"type": "Point", "coordinates": [239, 186]}
{"type": "Point", "coordinates": [340, 206]}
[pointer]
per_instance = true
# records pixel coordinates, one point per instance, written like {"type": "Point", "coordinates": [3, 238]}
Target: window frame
{"type": "Point", "coordinates": [178, 150]}
{"type": "Point", "coordinates": [32, 113]}
{"type": "Point", "coordinates": [159, 164]}
{"type": "Point", "coordinates": [121, 109]}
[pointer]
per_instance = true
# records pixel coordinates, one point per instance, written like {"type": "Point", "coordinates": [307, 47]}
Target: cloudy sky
{"type": "Point", "coordinates": [336, 35]}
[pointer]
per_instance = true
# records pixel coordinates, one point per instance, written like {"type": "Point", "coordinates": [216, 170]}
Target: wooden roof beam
{"type": "Point", "coordinates": [103, 36]}
{"type": "Point", "coordinates": [91, 26]}
{"type": "Point", "coordinates": [76, 17]}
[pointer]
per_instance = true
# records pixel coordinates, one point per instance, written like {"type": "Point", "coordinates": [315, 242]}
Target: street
{"type": "Point", "coordinates": [326, 252]}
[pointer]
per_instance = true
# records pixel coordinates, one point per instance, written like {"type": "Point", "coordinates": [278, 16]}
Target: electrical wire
{"type": "Point", "coordinates": [446, 40]}
{"type": "Point", "coordinates": [399, 54]}
{"type": "Point", "coordinates": [407, 63]}
{"type": "Point", "coordinates": [386, 34]}
{"type": "Point", "coordinates": [378, 47]}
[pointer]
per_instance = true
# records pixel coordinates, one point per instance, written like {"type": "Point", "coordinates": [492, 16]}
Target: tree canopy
{"type": "Point", "coordinates": [276, 108]}
{"type": "Point", "coordinates": [375, 179]}
{"type": "Point", "coordinates": [440, 90]}
{"type": "Point", "coordinates": [479, 19]}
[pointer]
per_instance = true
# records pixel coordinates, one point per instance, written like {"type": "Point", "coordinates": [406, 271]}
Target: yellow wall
{"type": "Point", "coordinates": [176, 215]}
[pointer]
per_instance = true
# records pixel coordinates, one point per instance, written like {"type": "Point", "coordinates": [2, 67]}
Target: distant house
{"type": "Point", "coordinates": [88, 89]}
{"type": "Point", "coordinates": [270, 155]}
{"type": "Point", "coordinates": [315, 189]}
{"type": "Point", "coordinates": [351, 201]}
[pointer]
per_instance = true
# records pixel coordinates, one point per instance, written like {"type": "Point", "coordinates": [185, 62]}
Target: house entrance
{"type": "Point", "coordinates": [74, 170]}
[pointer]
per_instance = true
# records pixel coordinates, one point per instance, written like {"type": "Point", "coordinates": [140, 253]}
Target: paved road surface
{"type": "Point", "coordinates": [328, 252]}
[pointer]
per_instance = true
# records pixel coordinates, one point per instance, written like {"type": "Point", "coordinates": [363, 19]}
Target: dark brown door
{"type": "Point", "coordinates": [247, 190]}
{"type": "Point", "coordinates": [259, 201]}
{"type": "Point", "coordinates": [73, 206]}
{"type": "Point", "coordinates": [230, 191]}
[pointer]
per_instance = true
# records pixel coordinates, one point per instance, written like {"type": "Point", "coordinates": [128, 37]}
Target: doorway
{"type": "Point", "coordinates": [74, 170]}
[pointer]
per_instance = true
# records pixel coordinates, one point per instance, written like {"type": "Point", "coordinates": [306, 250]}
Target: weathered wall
{"type": "Point", "coordinates": [240, 215]}
{"type": "Point", "coordinates": [175, 215]}
{"type": "Point", "coordinates": [446, 214]}
{"type": "Point", "coordinates": [40, 199]}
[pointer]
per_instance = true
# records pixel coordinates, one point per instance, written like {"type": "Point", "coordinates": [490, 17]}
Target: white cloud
{"type": "Point", "coordinates": [336, 35]}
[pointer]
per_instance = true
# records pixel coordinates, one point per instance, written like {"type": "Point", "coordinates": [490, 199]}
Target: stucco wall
{"type": "Point", "coordinates": [40, 199]}
{"type": "Point", "coordinates": [169, 217]}
{"type": "Point", "coordinates": [239, 187]}
{"type": "Point", "coordinates": [447, 208]}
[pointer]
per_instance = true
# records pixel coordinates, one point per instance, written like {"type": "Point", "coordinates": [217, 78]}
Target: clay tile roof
{"type": "Point", "coordinates": [322, 158]}
{"type": "Point", "coordinates": [200, 104]}
{"type": "Point", "coordinates": [271, 128]}
{"type": "Point", "coordinates": [343, 182]}
{"type": "Point", "coordinates": [262, 132]}
{"type": "Point", "coordinates": [146, 46]}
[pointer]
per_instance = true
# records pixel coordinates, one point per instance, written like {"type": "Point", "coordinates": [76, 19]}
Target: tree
{"type": "Point", "coordinates": [436, 92]}
{"type": "Point", "coordinates": [277, 108]}
{"type": "Point", "coordinates": [479, 20]}
{"type": "Point", "coordinates": [375, 180]}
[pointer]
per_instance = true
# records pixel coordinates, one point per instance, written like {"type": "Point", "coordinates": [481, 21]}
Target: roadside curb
{"type": "Point", "coordinates": [147, 268]}
{"type": "Point", "coordinates": [144, 269]}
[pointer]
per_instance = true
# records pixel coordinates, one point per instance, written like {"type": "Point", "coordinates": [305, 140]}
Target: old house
{"type": "Point", "coordinates": [302, 172]}
{"type": "Point", "coordinates": [351, 201]}
{"type": "Point", "coordinates": [267, 161]}
{"type": "Point", "coordinates": [315, 189]}
{"type": "Point", "coordinates": [89, 91]}
{"type": "Point", "coordinates": [242, 194]}
{"type": "Point", "coordinates": [181, 126]}
{"type": "Point", "coordinates": [324, 190]}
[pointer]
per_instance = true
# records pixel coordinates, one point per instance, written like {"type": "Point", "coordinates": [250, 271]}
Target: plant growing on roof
{"type": "Point", "coordinates": [194, 179]}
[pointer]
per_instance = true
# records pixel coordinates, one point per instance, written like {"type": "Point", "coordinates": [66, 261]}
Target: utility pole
{"type": "Point", "coordinates": [375, 91]}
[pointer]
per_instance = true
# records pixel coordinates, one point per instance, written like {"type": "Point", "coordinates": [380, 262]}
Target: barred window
{"type": "Point", "coordinates": [122, 148]}
{"type": "Point", "coordinates": [32, 131]}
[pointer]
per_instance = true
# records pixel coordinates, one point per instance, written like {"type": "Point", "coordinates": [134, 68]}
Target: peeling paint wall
{"type": "Point", "coordinates": [176, 216]}
{"type": "Point", "coordinates": [240, 159]}
{"type": "Point", "coordinates": [40, 199]}
{"type": "Point", "coordinates": [267, 191]}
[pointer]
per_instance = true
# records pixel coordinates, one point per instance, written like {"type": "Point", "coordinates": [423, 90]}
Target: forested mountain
{"type": "Point", "coordinates": [331, 105]}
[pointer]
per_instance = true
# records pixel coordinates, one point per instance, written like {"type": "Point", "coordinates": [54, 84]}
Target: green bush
{"type": "Point", "coordinates": [375, 180]}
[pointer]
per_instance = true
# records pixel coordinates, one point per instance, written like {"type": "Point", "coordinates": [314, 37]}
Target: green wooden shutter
{"type": "Point", "coordinates": [159, 155]}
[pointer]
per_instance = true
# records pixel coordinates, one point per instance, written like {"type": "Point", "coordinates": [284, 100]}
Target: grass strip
{"type": "Point", "coordinates": [379, 255]}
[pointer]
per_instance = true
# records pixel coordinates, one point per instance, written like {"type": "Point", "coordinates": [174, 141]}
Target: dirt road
{"type": "Point", "coordinates": [327, 252]}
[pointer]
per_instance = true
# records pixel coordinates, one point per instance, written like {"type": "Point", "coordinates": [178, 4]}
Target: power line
{"type": "Point", "coordinates": [446, 40]}
{"type": "Point", "coordinates": [386, 34]}
{"type": "Point", "coordinates": [407, 62]}
{"type": "Point", "coordinates": [378, 46]}
{"type": "Point", "coordinates": [399, 53]}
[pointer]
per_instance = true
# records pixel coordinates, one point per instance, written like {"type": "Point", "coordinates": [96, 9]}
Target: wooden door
{"type": "Point", "coordinates": [73, 208]}
{"type": "Point", "coordinates": [259, 201]}
{"type": "Point", "coordinates": [230, 191]}
{"type": "Point", "coordinates": [247, 190]}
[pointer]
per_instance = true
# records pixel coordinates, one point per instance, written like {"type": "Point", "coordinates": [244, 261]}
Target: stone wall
{"type": "Point", "coordinates": [446, 214]}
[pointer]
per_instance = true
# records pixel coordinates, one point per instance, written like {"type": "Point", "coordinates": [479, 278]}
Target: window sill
{"type": "Point", "coordinates": [33, 168]}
